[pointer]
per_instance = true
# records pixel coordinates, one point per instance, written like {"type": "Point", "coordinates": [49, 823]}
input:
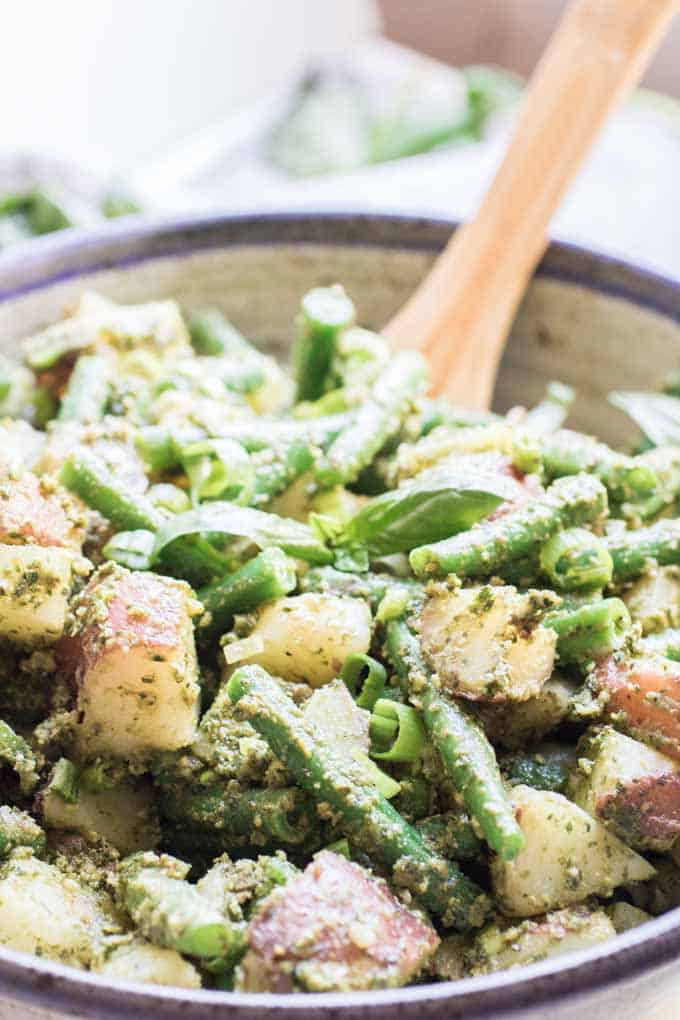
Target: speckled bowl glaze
{"type": "Point", "coordinates": [593, 322]}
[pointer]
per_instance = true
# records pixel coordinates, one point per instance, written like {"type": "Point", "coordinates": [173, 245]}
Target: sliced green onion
{"type": "Point", "coordinates": [406, 739]}
{"type": "Point", "coordinates": [132, 549]}
{"type": "Point", "coordinates": [365, 677]}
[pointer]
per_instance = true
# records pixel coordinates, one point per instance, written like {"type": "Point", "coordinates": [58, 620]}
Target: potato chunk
{"type": "Point", "coordinates": [45, 913]}
{"type": "Point", "coordinates": [487, 644]}
{"type": "Point", "coordinates": [142, 961]}
{"type": "Point", "coordinates": [334, 928]}
{"type": "Point", "coordinates": [308, 637]}
{"type": "Point", "coordinates": [654, 600]}
{"type": "Point", "coordinates": [135, 664]}
{"type": "Point", "coordinates": [125, 815]}
{"type": "Point", "coordinates": [499, 947]}
{"type": "Point", "coordinates": [35, 583]}
{"type": "Point", "coordinates": [567, 857]}
{"type": "Point", "coordinates": [644, 696]}
{"type": "Point", "coordinates": [33, 512]}
{"type": "Point", "coordinates": [630, 787]}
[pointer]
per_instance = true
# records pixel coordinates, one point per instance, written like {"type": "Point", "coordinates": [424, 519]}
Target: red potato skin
{"type": "Point", "coordinates": [29, 513]}
{"type": "Point", "coordinates": [648, 701]}
{"type": "Point", "coordinates": [339, 919]}
{"type": "Point", "coordinates": [143, 610]}
{"type": "Point", "coordinates": [649, 808]}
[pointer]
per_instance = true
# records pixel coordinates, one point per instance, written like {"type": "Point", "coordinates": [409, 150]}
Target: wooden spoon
{"type": "Point", "coordinates": [461, 313]}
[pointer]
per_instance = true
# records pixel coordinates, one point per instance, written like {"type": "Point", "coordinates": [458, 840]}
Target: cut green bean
{"type": "Point", "coordinates": [172, 913]}
{"type": "Point", "coordinates": [467, 755]}
{"type": "Point", "coordinates": [451, 834]}
{"type": "Point", "coordinates": [490, 546]}
{"type": "Point", "coordinates": [277, 468]}
{"type": "Point", "coordinates": [633, 552]}
{"type": "Point", "coordinates": [213, 334]}
{"type": "Point", "coordinates": [369, 821]}
{"type": "Point", "coordinates": [87, 392]}
{"type": "Point", "coordinates": [570, 453]}
{"type": "Point", "coordinates": [324, 313]}
{"type": "Point", "coordinates": [377, 420]}
{"type": "Point", "coordinates": [576, 559]}
{"type": "Point", "coordinates": [371, 587]}
{"type": "Point", "coordinates": [268, 576]}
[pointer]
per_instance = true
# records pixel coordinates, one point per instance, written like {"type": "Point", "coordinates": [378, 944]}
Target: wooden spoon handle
{"type": "Point", "coordinates": [461, 314]}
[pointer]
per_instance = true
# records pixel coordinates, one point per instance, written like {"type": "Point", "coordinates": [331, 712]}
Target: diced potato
{"type": "Point", "coordinates": [308, 637]}
{"type": "Point", "coordinates": [135, 664]}
{"type": "Point", "coordinates": [487, 643]}
{"type": "Point", "coordinates": [654, 600]}
{"type": "Point", "coordinates": [625, 916]}
{"type": "Point", "coordinates": [125, 815]}
{"type": "Point", "coordinates": [35, 583]}
{"type": "Point", "coordinates": [500, 947]}
{"type": "Point", "coordinates": [334, 928]}
{"type": "Point", "coordinates": [644, 696]}
{"type": "Point", "coordinates": [567, 857]}
{"type": "Point", "coordinates": [20, 444]}
{"type": "Point", "coordinates": [630, 787]}
{"type": "Point", "coordinates": [142, 961]}
{"type": "Point", "coordinates": [449, 963]}
{"type": "Point", "coordinates": [46, 913]}
{"type": "Point", "coordinates": [296, 500]}
{"type": "Point", "coordinates": [514, 724]}
{"type": "Point", "coordinates": [334, 712]}
{"type": "Point", "coordinates": [33, 512]}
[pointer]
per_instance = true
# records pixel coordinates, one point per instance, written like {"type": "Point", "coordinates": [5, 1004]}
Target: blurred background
{"type": "Point", "coordinates": [165, 106]}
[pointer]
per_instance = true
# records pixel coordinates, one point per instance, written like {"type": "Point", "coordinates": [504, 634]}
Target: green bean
{"type": "Point", "coordinates": [451, 834]}
{"type": "Point", "coordinates": [169, 497]}
{"type": "Point", "coordinates": [368, 820]}
{"type": "Point", "coordinates": [18, 828]}
{"type": "Point", "coordinates": [575, 558]}
{"type": "Point", "coordinates": [634, 551]}
{"type": "Point", "coordinates": [490, 546]}
{"type": "Point", "coordinates": [86, 475]}
{"type": "Point", "coordinates": [590, 631]}
{"type": "Point", "coordinates": [213, 334]}
{"type": "Point", "coordinates": [371, 587]}
{"type": "Point", "coordinates": [279, 467]}
{"type": "Point", "coordinates": [172, 913]}
{"type": "Point", "coordinates": [265, 815]}
{"type": "Point", "coordinates": [87, 392]}
{"type": "Point", "coordinates": [550, 414]}
{"type": "Point", "coordinates": [268, 576]}
{"type": "Point", "coordinates": [467, 755]}
{"type": "Point", "coordinates": [324, 313]}
{"type": "Point", "coordinates": [377, 420]}
{"type": "Point", "coordinates": [570, 453]}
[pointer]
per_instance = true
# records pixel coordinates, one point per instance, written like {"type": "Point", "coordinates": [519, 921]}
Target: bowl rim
{"type": "Point", "coordinates": [72, 254]}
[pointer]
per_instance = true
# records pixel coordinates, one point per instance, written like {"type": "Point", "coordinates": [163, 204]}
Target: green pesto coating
{"type": "Point", "coordinates": [369, 821]}
{"type": "Point", "coordinates": [634, 551]}
{"type": "Point", "coordinates": [466, 754]}
{"type": "Point", "coordinates": [269, 575]}
{"type": "Point", "coordinates": [486, 549]}
{"type": "Point", "coordinates": [172, 913]}
{"type": "Point", "coordinates": [590, 631]}
{"type": "Point", "coordinates": [278, 467]}
{"type": "Point", "coordinates": [377, 420]}
{"type": "Point", "coordinates": [87, 392]}
{"type": "Point", "coordinates": [213, 334]}
{"type": "Point", "coordinates": [451, 834]}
